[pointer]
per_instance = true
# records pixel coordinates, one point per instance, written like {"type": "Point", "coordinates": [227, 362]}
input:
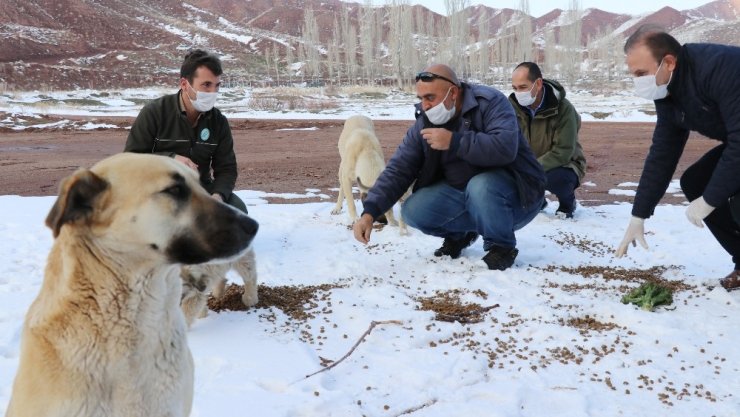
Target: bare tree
{"type": "Point", "coordinates": [268, 58]}
{"type": "Point", "coordinates": [570, 40]}
{"type": "Point", "coordinates": [506, 41]}
{"type": "Point", "coordinates": [289, 60]}
{"type": "Point", "coordinates": [423, 44]}
{"type": "Point", "coordinates": [523, 48]}
{"type": "Point", "coordinates": [484, 56]}
{"type": "Point", "coordinates": [551, 53]}
{"type": "Point", "coordinates": [351, 51]}
{"type": "Point", "coordinates": [302, 59]}
{"type": "Point", "coordinates": [382, 52]}
{"type": "Point", "coordinates": [312, 43]}
{"type": "Point", "coordinates": [409, 59]}
{"type": "Point", "coordinates": [399, 40]}
{"type": "Point", "coordinates": [334, 61]}
{"type": "Point", "coordinates": [276, 61]}
{"type": "Point", "coordinates": [368, 40]}
{"type": "Point", "coordinates": [431, 29]}
{"type": "Point", "coordinates": [459, 30]}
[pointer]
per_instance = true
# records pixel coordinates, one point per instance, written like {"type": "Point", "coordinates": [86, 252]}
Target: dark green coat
{"type": "Point", "coordinates": [162, 128]}
{"type": "Point", "coordinates": [553, 132]}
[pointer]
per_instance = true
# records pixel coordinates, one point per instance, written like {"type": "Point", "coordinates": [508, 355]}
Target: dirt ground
{"type": "Point", "coordinates": [277, 156]}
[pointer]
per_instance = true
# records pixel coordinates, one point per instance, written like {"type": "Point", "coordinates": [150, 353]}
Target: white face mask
{"type": "Point", "coordinates": [440, 114]}
{"type": "Point", "coordinates": [525, 97]}
{"type": "Point", "coordinates": [203, 101]}
{"type": "Point", "coordinates": [646, 86]}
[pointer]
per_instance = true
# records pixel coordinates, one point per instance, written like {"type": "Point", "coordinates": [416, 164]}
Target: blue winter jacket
{"type": "Point", "coordinates": [485, 136]}
{"type": "Point", "coordinates": [704, 96]}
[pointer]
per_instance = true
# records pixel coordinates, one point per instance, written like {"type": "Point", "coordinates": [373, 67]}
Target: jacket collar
{"type": "Point", "coordinates": [683, 63]}
{"type": "Point", "coordinates": [469, 101]}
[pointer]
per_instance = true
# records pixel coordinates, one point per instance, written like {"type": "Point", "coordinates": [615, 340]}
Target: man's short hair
{"type": "Point", "coordinates": [657, 40]}
{"type": "Point", "coordinates": [197, 58]}
{"type": "Point", "coordinates": [534, 70]}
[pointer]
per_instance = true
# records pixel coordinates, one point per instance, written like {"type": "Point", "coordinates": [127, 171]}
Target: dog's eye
{"type": "Point", "coordinates": [178, 191]}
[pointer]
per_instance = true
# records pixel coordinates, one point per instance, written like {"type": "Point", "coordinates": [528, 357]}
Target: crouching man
{"type": "Point", "coordinates": [475, 173]}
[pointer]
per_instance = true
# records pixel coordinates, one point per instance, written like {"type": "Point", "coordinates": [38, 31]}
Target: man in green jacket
{"type": "Point", "coordinates": [186, 127]}
{"type": "Point", "coordinates": [550, 123]}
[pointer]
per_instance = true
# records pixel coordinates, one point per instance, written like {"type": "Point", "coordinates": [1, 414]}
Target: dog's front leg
{"type": "Point", "coordinates": [246, 267]}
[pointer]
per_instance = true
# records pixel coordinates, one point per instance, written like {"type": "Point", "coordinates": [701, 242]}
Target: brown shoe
{"type": "Point", "coordinates": [732, 281]}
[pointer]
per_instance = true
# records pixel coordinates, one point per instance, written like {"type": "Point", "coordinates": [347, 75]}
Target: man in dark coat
{"type": "Point", "coordinates": [696, 87]}
{"type": "Point", "coordinates": [474, 172]}
{"type": "Point", "coordinates": [186, 127]}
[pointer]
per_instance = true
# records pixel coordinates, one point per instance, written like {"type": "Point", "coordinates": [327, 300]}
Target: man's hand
{"type": "Point", "coordinates": [217, 196]}
{"type": "Point", "coordinates": [635, 232]}
{"type": "Point", "coordinates": [697, 211]}
{"type": "Point", "coordinates": [437, 138]}
{"type": "Point", "coordinates": [362, 228]}
{"type": "Point", "coordinates": [187, 161]}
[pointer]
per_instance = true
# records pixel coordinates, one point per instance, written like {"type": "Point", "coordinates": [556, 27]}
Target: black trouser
{"type": "Point", "coordinates": [720, 222]}
{"type": "Point", "coordinates": [236, 202]}
{"type": "Point", "coordinates": [562, 182]}
{"type": "Point", "coordinates": [233, 200]}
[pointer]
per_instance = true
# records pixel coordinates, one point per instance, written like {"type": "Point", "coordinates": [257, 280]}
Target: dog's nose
{"type": "Point", "coordinates": [249, 226]}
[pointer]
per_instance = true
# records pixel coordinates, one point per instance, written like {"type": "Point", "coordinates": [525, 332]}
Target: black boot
{"type": "Point", "coordinates": [453, 247]}
{"type": "Point", "coordinates": [500, 258]}
{"type": "Point", "coordinates": [567, 209]}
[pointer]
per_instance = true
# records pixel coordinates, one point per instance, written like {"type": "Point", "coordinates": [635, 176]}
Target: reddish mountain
{"type": "Point", "coordinates": [65, 44]}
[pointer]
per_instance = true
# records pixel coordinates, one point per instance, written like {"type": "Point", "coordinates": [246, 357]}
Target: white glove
{"type": "Point", "coordinates": [697, 211]}
{"type": "Point", "coordinates": [635, 232]}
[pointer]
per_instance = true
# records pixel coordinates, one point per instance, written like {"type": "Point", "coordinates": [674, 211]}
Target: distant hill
{"type": "Point", "coordinates": [69, 44]}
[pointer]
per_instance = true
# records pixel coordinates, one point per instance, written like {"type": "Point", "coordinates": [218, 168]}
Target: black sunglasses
{"type": "Point", "coordinates": [427, 76]}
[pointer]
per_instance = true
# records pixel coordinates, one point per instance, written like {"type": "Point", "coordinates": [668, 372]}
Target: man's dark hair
{"type": "Point", "coordinates": [657, 40]}
{"type": "Point", "coordinates": [534, 70]}
{"type": "Point", "coordinates": [199, 58]}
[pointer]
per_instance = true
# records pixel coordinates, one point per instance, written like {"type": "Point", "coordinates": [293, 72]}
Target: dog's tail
{"type": "Point", "coordinates": [362, 186]}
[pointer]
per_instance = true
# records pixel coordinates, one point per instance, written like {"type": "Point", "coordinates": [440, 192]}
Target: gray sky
{"type": "Point", "coordinates": [538, 8]}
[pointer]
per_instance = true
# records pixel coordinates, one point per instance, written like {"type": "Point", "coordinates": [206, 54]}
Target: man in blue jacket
{"type": "Point", "coordinates": [475, 173]}
{"type": "Point", "coordinates": [696, 87]}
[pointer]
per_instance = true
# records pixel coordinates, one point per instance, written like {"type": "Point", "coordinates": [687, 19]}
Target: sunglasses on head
{"type": "Point", "coordinates": [427, 76]}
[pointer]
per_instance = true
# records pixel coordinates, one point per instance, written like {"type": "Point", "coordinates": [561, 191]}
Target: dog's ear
{"type": "Point", "coordinates": [76, 201]}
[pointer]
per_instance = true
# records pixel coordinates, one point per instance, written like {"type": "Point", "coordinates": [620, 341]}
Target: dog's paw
{"type": "Point", "coordinates": [336, 211]}
{"type": "Point", "coordinates": [250, 299]}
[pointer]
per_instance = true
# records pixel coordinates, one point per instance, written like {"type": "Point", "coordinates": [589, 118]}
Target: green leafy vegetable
{"type": "Point", "coordinates": [649, 295]}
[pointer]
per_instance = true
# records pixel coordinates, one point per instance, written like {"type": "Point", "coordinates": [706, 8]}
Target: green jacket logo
{"type": "Point", "coordinates": [205, 134]}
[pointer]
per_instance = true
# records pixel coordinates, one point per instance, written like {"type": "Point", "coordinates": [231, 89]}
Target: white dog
{"type": "Point", "coordinates": [106, 336]}
{"type": "Point", "coordinates": [210, 278]}
{"type": "Point", "coordinates": [361, 160]}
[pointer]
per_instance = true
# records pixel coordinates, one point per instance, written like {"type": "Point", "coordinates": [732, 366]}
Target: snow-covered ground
{"type": "Point", "coordinates": [560, 342]}
{"type": "Point", "coordinates": [308, 103]}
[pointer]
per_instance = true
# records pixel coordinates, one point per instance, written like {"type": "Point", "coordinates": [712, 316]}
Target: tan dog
{"type": "Point", "coordinates": [105, 336]}
{"type": "Point", "coordinates": [361, 161]}
{"type": "Point", "coordinates": [210, 278]}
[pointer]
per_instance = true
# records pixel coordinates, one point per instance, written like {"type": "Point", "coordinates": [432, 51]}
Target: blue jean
{"type": "Point", "coordinates": [489, 205]}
